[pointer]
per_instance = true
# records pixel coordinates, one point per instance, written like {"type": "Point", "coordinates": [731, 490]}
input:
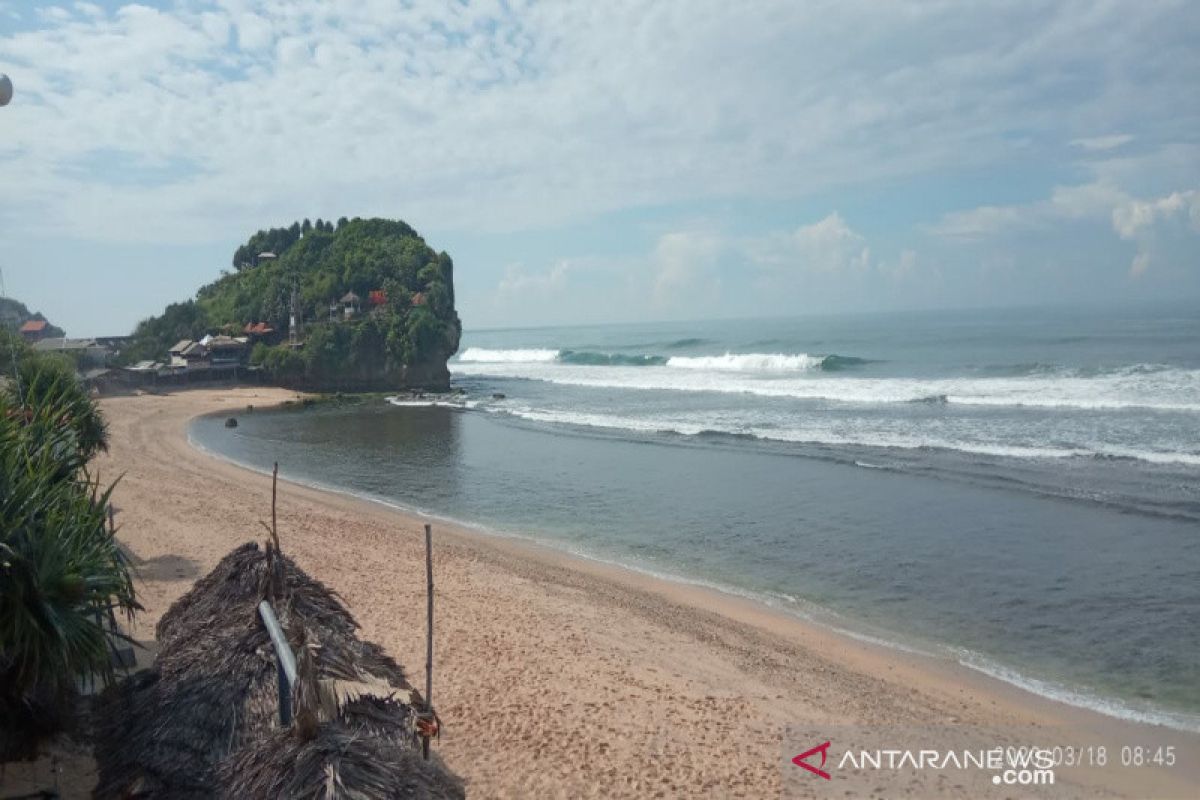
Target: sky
{"type": "Point", "coordinates": [589, 162]}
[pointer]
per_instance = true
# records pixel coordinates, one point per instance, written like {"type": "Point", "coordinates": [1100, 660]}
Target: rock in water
{"type": "Point", "coordinates": [231, 422]}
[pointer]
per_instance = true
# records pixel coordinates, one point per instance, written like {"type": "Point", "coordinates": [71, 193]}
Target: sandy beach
{"type": "Point", "coordinates": [560, 677]}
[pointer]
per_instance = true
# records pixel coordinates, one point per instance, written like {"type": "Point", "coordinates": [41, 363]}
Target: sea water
{"type": "Point", "coordinates": [1017, 490]}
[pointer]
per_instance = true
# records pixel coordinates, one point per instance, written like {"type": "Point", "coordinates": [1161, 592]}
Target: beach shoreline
{"type": "Point", "coordinates": [606, 681]}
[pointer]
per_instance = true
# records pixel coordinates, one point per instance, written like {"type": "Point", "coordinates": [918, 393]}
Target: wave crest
{"type": "Point", "coordinates": [729, 362]}
{"type": "Point", "coordinates": [483, 355]}
{"type": "Point", "coordinates": [749, 362]}
{"type": "Point", "coordinates": [588, 358]}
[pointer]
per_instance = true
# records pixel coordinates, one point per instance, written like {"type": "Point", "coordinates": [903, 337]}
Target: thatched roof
{"type": "Point", "coordinates": [203, 721]}
{"type": "Point", "coordinates": [335, 764]}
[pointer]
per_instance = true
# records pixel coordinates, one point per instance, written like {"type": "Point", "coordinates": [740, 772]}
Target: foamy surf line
{"type": "Point", "coordinates": [729, 362]}
{"type": "Point", "coordinates": [694, 426]}
{"type": "Point", "coordinates": [1109, 707]}
{"type": "Point", "coordinates": [1172, 391]}
{"type": "Point", "coordinates": [809, 613]}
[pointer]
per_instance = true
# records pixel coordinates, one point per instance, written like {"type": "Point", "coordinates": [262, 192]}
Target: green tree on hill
{"type": "Point", "coordinates": [402, 334]}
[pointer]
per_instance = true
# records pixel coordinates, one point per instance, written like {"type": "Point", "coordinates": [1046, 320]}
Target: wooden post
{"type": "Point", "coordinates": [428, 632]}
{"type": "Point", "coordinates": [274, 489]}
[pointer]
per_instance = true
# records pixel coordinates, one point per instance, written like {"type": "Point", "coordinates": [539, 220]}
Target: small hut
{"type": "Point", "coordinates": [351, 304]}
{"type": "Point", "coordinates": [203, 721]}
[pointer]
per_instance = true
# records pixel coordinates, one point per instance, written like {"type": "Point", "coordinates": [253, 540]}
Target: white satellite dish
{"type": "Point", "coordinates": [5, 89]}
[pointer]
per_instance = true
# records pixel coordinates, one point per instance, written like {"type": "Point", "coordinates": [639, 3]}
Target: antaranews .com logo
{"type": "Point", "coordinates": [964, 761]}
{"type": "Point", "coordinates": [1019, 766]}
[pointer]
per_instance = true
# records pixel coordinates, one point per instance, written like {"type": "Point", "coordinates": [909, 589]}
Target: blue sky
{"type": "Point", "coordinates": [616, 161]}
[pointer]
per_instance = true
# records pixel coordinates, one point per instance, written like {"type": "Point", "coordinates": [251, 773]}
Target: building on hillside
{"type": "Point", "coordinates": [188, 356]}
{"type": "Point", "coordinates": [33, 330]}
{"type": "Point", "coordinates": [351, 304]}
{"type": "Point", "coordinates": [259, 332]}
{"type": "Point", "coordinates": [418, 299]}
{"type": "Point", "coordinates": [143, 371]}
{"type": "Point", "coordinates": [225, 351]}
{"type": "Point", "coordinates": [176, 359]}
{"type": "Point", "coordinates": [86, 352]}
{"type": "Point", "coordinates": [115, 344]}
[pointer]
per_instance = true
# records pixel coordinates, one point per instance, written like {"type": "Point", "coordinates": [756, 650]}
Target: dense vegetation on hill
{"type": "Point", "coordinates": [13, 313]}
{"type": "Point", "coordinates": [402, 335]}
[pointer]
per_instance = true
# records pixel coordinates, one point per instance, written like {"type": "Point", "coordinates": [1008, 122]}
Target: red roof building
{"type": "Point", "coordinates": [33, 329]}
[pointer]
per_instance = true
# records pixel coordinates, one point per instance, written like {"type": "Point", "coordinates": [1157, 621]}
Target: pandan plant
{"type": "Point", "coordinates": [62, 575]}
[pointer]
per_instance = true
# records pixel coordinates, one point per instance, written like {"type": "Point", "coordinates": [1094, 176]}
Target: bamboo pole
{"type": "Point", "coordinates": [274, 489]}
{"type": "Point", "coordinates": [428, 632]}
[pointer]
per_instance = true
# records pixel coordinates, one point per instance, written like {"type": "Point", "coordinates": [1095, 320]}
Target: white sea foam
{"type": "Point", "coordinates": [748, 362]}
{"type": "Point", "coordinates": [1165, 390]}
{"type": "Point", "coordinates": [484, 355]}
{"type": "Point", "coordinates": [428, 402]}
{"type": "Point", "coordinates": [696, 423]}
{"type": "Point", "coordinates": [1075, 697]}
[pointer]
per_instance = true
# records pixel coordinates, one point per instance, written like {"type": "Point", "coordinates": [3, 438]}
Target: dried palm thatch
{"type": "Point", "coordinates": [338, 764]}
{"type": "Point", "coordinates": [203, 721]}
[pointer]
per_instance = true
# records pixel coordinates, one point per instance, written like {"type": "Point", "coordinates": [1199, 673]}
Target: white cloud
{"type": "Point", "coordinates": [902, 269]}
{"type": "Point", "coordinates": [828, 245]}
{"type": "Point", "coordinates": [685, 265]}
{"type": "Point", "coordinates": [511, 117]}
{"type": "Point", "coordinates": [1134, 217]}
{"type": "Point", "coordinates": [983, 222]}
{"type": "Point", "coordinates": [1089, 200]}
{"type": "Point", "coordinates": [1100, 143]}
{"type": "Point", "coordinates": [520, 284]}
{"type": "Point", "coordinates": [1144, 222]}
{"type": "Point", "coordinates": [696, 272]}
{"type": "Point", "coordinates": [193, 123]}
{"type": "Point", "coordinates": [1152, 224]}
{"type": "Point", "coordinates": [1141, 263]}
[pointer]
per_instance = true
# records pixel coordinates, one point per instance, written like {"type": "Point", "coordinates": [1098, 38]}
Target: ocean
{"type": "Point", "coordinates": [1015, 490]}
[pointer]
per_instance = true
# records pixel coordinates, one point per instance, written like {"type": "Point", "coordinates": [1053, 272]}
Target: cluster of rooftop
{"type": "Point", "coordinates": [210, 356]}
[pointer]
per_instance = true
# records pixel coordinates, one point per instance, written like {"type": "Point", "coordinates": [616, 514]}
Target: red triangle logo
{"type": "Point", "coordinates": [800, 762]}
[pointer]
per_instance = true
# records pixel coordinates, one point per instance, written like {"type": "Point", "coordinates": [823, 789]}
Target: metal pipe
{"type": "Point", "coordinates": [284, 657]}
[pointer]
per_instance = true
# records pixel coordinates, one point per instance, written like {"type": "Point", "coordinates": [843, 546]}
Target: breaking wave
{"type": "Point", "coordinates": [1175, 390]}
{"type": "Point", "coordinates": [588, 358]}
{"type": "Point", "coordinates": [749, 362]}
{"type": "Point", "coordinates": [703, 425]}
{"type": "Point", "coordinates": [482, 355]}
{"type": "Point", "coordinates": [729, 362]}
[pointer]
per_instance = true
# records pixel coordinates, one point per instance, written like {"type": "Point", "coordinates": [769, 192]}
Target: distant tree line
{"type": "Point", "coordinates": [276, 240]}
